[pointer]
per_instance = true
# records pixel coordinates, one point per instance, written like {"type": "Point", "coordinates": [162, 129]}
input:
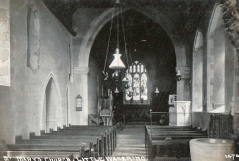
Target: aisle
{"type": "Point", "coordinates": [131, 141]}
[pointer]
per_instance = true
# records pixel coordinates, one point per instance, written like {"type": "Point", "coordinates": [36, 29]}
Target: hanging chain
{"type": "Point", "coordinates": [117, 27]}
{"type": "Point", "coordinates": [108, 43]}
{"type": "Point", "coordinates": [126, 52]}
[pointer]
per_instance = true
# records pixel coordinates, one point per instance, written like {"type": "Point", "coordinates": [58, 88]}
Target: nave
{"type": "Point", "coordinates": [138, 141]}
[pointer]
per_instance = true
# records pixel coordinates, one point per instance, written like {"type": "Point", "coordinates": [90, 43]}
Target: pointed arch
{"type": "Point", "coordinates": [216, 61]}
{"type": "Point", "coordinates": [52, 104]}
{"type": "Point", "coordinates": [98, 23]}
{"type": "Point", "coordinates": [87, 40]}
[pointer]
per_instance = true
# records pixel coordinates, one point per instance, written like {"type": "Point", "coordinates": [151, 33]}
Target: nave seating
{"type": "Point", "coordinates": [69, 142]}
{"type": "Point", "coordinates": [170, 142]}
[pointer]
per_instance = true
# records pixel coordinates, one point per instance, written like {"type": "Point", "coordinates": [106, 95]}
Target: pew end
{"type": "Point", "coordinates": [170, 142]}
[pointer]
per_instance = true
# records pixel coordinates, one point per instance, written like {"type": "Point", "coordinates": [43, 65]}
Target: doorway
{"type": "Point", "coordinates": [51, 106]}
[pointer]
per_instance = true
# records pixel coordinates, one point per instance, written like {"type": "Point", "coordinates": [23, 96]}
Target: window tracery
{"type": "Point", "coordinates": [138, 89]}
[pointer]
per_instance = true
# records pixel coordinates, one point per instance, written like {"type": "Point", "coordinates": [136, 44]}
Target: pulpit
{"type": "Point", "coordinates": [180, 114]}
{"type": "Point", "coordinates": [106, 115]}
{"type": "Point", "coordinates": [105, 109]}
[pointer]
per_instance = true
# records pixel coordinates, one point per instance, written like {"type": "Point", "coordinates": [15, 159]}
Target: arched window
{"type": "Point", "coordinates": [216, 62]}
{"type": "Point", "coordinates": [138, 89]}
{"type": "Point", "coordinates": [197, 78]}
{"type": "Point", "coordinates": [33, 37]}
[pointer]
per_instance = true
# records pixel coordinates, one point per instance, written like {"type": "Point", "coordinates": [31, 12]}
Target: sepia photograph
{"type": "Point", "coordinates": [119, 80]}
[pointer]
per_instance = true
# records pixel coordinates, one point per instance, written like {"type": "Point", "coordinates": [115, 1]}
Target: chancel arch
{"type": "Point", "coordinates": [105, 17]}
{"type": "Point", "coordinates": [98, 23]}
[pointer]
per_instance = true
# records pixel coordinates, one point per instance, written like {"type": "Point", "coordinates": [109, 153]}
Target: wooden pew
{"type": "Point", "coordinates": [157, 131]}
{"type": "Point", "coordinates": [113, 130]}
{"type": "Point", "coordinates": [73, 141]}
{"type": "Point", "coordinates": [173, 131]}
{"type": "Point", "coordinates": [55, 142]}
{"type": "Point", "coordinates": [89, 145]}
{"type": "Point", "coordinates": [24, 150]}
{"type": "Point", "coordinates": [109, 139]}
{"type": "Point", "coordinates": [82, 148]}
{"type": "Point", "coordinates": [98, 140]}
{"type": "Point", "coordinates": [108, 132]}
{"type": "Point", "coordinates": [38, 154]}
{"type": "Point", "coordinates": [89, 132]}
{"type": "Point", "coordinates": [170, 148]}
{"type": "Point", "coordinates": [37, 147]}
{"type": "Point", "coordinates": [167, 141]}
{"type": "Point", "coordinates": [169, 127]}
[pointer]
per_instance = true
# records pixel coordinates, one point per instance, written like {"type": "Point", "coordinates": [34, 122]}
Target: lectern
{"type": "Point", "coordinates": [106, 115]}
{"type": "Point", "coordinates": [180, 114]}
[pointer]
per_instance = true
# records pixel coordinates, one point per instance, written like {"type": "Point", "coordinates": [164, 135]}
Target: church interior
{"type": "Point", "coordinates": [146, 79]}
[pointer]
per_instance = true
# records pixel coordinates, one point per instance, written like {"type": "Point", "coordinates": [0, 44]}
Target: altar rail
{"type": "Point", "coordinates": [155, 117]}
{"type": "Point", "coordinates": [133, 113]}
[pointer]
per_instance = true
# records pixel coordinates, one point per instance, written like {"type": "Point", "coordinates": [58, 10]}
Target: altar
{"type": "Point", "coordinates": [180, 114]}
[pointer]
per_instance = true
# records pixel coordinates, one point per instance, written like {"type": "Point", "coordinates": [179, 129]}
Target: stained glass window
{"type": "Point", "coordinates": [138, 89]}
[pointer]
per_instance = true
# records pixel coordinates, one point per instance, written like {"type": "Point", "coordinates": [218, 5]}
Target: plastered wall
{"type": "Point", "coordinates": [22, 103]}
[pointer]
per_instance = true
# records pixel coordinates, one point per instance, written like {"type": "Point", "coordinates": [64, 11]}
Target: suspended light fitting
{"type": "Point", "coordinates": [116, 91]}
{"type": "Point", "coordinates": [156, 90]}
{"type": "Point", "coordinates": [117, 64]}
{"type": "Point", "coordinates": [178, 75]}
{"type": "Point", "coordinates": [125, 81]}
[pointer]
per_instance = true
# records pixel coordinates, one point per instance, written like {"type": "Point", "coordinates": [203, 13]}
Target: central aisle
{"type": "Point", "coordinates": [131, 141]}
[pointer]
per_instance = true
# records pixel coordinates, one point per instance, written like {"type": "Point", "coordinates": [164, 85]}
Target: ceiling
{"type": "Point", "coordinates": [145, 39]}
{"type": "Point", "coordinates": [64, 9]}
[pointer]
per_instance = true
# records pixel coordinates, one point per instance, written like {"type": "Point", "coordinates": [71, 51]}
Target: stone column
{"type": "Point", "coordinates": [81, 84]}
{"type": "Point", "coordinates": [184, 85]}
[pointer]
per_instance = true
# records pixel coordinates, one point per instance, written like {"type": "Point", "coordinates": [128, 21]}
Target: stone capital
{"type": "Point", "coordinates": [81, 70]}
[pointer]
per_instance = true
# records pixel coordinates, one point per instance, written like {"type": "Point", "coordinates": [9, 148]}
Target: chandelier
{"type": "Point", "coordinates": [117, 64]}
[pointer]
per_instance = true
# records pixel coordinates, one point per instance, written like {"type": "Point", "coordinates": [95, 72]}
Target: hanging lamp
{"type": "Point", "coordinates": [116, 90]}
{"type": "Point", "coordinates": [125, 81]}
{"type": "Point", "coordinates": [117, 64]}
{"type": "Point", "coordinates": [178, 75]}
{"type": "Point", "coordinates": [156, 90]}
